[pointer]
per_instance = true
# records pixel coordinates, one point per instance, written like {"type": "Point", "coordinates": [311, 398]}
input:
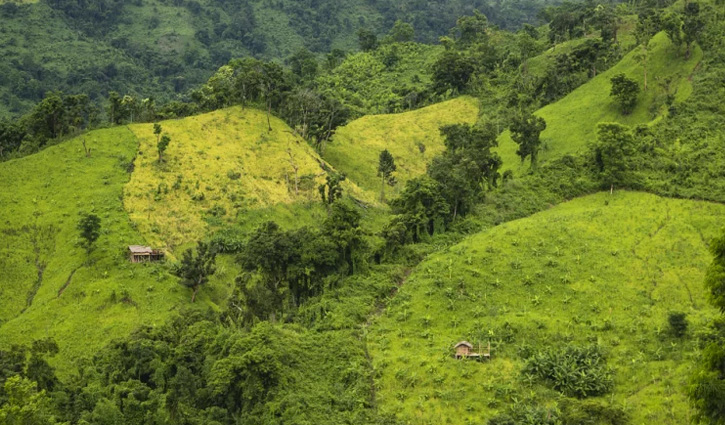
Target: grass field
{"type": "Point", "coordinates": [602, 270]}
{"type": "Point", "coordinates": [81, 301]}
{"type": "Point", "coordinates": [571, 122]}
{"type": "Point", "coordinates": [356, 147]}
{"type": "Point", "coordinates": [218, 166]}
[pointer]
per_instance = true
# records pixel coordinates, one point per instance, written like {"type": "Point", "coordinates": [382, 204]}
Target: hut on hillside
{"type": "Point", "coordinates": [144, 254]}
{"type": "Point", "coordinates": [464, 350]}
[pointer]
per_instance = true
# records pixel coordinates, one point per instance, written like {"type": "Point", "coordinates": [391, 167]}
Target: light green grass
{"type": "Point", "coordinates": [356, 147]}
{"type": "Point", "coordinates": [601, 269]}
{"type": "Point", "coordinates": [571, 122]}
{"type": "Point", "coordinates": [46, 191]}
{"type": "Point", "coordinates": [204, 154]}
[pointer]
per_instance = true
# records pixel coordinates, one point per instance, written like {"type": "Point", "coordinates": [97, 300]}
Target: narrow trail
{"type": "Point", "coordinates": [363, 336]}
{"type": "Point", "coordinates": [67, 282]}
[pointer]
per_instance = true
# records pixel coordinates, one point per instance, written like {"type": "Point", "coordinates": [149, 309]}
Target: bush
{"type": "Point", "coordinates": [678, 323]}
{"type": "Point", "coordinates": [574, 371]}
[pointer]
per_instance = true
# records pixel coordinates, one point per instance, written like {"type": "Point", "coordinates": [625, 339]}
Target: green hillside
{"type": "Point", "coordinates": [49, 286]}
{"type": "Point", "coordinates": [571, 122]}
{"type": "Point", "coordinates": [602, 270]}
{"type": "Point", "coordinates": [413, 138]}
{"type": "Point", "coordinates": [217, 167]}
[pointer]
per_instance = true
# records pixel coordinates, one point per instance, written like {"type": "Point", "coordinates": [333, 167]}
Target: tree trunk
{"type": "Point", "coordinates": [382, 190]}
{"type": "Point", "coordinates": [269, 112]}
{"type": "Point", "coordinates": [611, 189]}
{"type": "Point", "coordinates": [193, 294]}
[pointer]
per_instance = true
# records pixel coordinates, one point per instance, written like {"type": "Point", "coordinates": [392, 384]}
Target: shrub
{"type": "Point", "coordinates": [678, 323]}
{"type": "Point", "coordinates": [574, 370]}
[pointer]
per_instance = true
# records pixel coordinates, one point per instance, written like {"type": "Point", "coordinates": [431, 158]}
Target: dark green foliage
{"type": "Point", "coordinates": [386, 168]}
{"type": "Point", "coordinates": [367, 39]}
{"type": "Point", "coordinates": [286, 268]}
{"type": "Point", "coordinates": [162, 145]}
{"type": "Point", "coordinates": [452, 72]}
{"type": "Point", "coordinates": [422, 209]}
{"type": "Point", "coordinates": [527, 414]}
{"type": "Point", "coordinates": [678, 323]}
{"type": "Point", "coordinates": [526, 131]}
{"type": "Point", "coordinates": [89, 227]}
{"type": "Point", "coordinates": [692, 25]}
{"type": "Point", "coordinates": [574, 371]}
{"type": "Point", "coordinates": [715, 279]}
{"type": "Point", "coordinates": [401, 32]}
{"type": "Point", "coordinates": [613, 153]}
{"type": "Point", "coordinates": [591, 412]}
{"type": "Point", "coordinates": [707, 390]}
{"type": "Point", "coordinates": [332, 189]}
{"type": "Point", "coordinates": [195, 270]}
{"type": "Point", "coordinates": [625, 90]}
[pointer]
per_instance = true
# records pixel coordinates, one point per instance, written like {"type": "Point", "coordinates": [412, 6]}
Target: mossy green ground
{"type": "Point", "coordinates": [107, 297]}
{"type": "Point", "coordinates": [356, 147]}
{"type": "Point", "coordinates": [217, 167]}
{"type": "Point", "coordinates": [603, 269]}
{"type": "Point", "coordinates": [571, 122]}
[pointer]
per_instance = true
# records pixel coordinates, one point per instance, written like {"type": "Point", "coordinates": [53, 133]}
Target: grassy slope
{"type": "Point", "coordinates": [205, 151]}
{"type": "Point", "coordinates": [599, 261]}
{"type": "Point", "coordinates": [41, 197]}
{"type": "Point", "coordinates": [571, 122]}
{"type": "Point", "coordinates": [356, 147]}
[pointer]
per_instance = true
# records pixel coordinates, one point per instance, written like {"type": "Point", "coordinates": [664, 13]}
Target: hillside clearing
{"type": "Point", "coordinates": [413, 138]}
{"type": "Point", "coordinates": [571, 122]}
{"type": "Point", "coordinates": [602, 270]}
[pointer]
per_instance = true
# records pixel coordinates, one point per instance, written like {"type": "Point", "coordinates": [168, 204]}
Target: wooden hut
{"type": "Point", "coordinates": [464, 350]}
{"type": "Point", "coordinates": [144, 254]}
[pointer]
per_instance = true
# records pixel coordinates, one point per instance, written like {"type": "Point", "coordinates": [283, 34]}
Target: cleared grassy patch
{"type": "Point", "coordinates": [413, 138]}
{"type": "Point", "coordinates": [571, 122]}
{"type": "Point", "coordinates": [82, 301]}
{"type": "Point", "coordinates": [602, 270]}
{"type": "Point", "coordinates": [218, 166]}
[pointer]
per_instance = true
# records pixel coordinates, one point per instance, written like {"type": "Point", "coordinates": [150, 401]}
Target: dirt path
{"type": "Point", "coordinates": [67, 282]}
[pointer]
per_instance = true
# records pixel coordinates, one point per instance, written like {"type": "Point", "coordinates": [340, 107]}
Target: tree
{"type": "Point", "coordinates": [692, 25]}
{"type": "Point", "coordinates": [612, 151]}
{"type": "Point", "coordinates": [715, 279]}
{"type": "Point", "coordinates": [707, 390]}
{"type": "Point", "coordinates": [452, 71]}
{"type": "Point", "coordinates": [625, 91]}
{"type": "Point", "coordinates": [304, 64]}
{"type": "Point", "coordinates": [526, 131]}
{"type": "Point", "coordinates": [401, 32]}
{"type": "Point", "coordinates": [648, 24]}
{"type": "Point", "coordinates": [386, 167]}
{"type": "Point", "coordinates": [162, 145]}
{"type": "Point", "coordinates": [157, 132]}
{"type": "Point", "coordinates": [672, 24]}
{"type": "Point", "coordinates": [367, 39]}
{"type": "Point", "coordinates": [195, 270]}
{"type": "Point", "coordinates": [467, 167]}
{"type": "Point", "coordinates": [422, 207]}
{"type": "Point", "coordinates": [89, 227]}
{"type": "Point", "coordinates": [331, 190]}
{"type": "Point", "coordinates": [25, 405]}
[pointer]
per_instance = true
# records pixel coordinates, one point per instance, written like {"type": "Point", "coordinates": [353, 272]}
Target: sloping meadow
{"type": "Point", "coordinates": [599, 274]}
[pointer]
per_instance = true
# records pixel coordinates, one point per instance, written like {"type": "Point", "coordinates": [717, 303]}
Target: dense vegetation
{"type": "Point", "coordinates": [323, 259]}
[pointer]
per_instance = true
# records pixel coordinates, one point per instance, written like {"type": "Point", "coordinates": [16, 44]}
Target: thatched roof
{"type": "Point", "coordinates": [140, 249]}
{"type": "Point", "coordinates": [466, 343]}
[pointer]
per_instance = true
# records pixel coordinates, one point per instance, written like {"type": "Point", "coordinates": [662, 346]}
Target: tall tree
{"type": "Point", "coordinates": [612, 151]}
{"type": "Point", "coordinates": [526, 132]}
{"type": "Point", "coordinates": [692, 26]}
{"type": "Point", "coordinates": [195, 270]}
{"type": "Point", "coordinates": [367, 39]}
{"type": "Point", "coordinates": [157, 132]}
{"type": "Point", "coordinates": [162, 145]}
{"type": "Point", "coordinates": [386, 168]}
{"type": "Point", "coordinates": [89, 227]}
{"type": "Point", "coordinates": [331, 190]}
{"type": "Point", "coordinates": [626, 91]}
{"type": "Point", "coordinates": [707, 389]}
